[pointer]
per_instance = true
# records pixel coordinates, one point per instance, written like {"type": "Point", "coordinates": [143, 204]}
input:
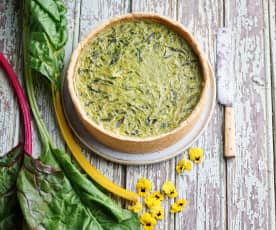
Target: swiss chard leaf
{"type": "Point", "coordinates": [60, 197]}
{"type": "Point", "coordinates": [47, 30]}
{"type": "Point", "coordinates": [9, 208]}
{"type": "Point", "coordinates": [44, 58]}
{"type": "Point", "coordinates": [52, 193]}
{"type": "Point", "coordinates": [47, 199]}
{"type": "Point", "coordinates": [48, 17]}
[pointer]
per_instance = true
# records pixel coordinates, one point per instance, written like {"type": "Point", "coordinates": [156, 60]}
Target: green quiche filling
{"type": "Point", "coordinates": [138, 79]}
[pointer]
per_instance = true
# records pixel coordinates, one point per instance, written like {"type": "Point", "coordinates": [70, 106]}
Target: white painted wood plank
{"type": "Point", "coordinates": [165, 7]}
{"type": "Point", "coordinates": [205, 187]}
{"type": "Point", "coordinates": [9, 43]}
{"type": "Point", "coordinates": [95, 12]}
{"type": "Point", "coordinates": [157, 173]}
{"type": "Point", "coordinates": [269, 71]}
{"type": "Point", "coordinates": [272, 20]}
{"type": "Point", "coordinates": [272, 23]}
{"type": "Point", "coordinates": [251, 200]}
{"type": "Point", "coordinates": [73, 11]}
{"type": "Point", "coordinates": [43, 90]}
{"type": "Point", "coordinates": [92, 13]}
{"type": "Point", "coordinates": [250, 193]}
{"type": "Point", "coordinates": [272, 49]}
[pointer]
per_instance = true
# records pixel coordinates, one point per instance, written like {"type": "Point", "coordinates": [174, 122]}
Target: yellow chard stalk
{"type": "Point", "coordinates": [80, 158]}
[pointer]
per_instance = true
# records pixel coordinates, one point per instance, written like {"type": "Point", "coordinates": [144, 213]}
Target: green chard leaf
{"type": "Point", "coordinates": [52, 193]}
{"type": "Point", "coordinates": [10, 213]}
{"type": "Point", "coordinates": [44, 58]}
{"type": "Point", "coordinates": [60, 197]}
{"type": "Point", "coordinates": [47, 30]}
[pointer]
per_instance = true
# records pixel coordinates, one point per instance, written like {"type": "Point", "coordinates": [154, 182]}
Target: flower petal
{"type": "Point", "coordinates": [150, 201]}
{"type": "Point", "coordinates": [147, 221]}
{"type": "Point", "coordinates": [137, 207]}
{"type": "Point", "coordinates": [157, 212]}
{"type": "Point", "coordinates": [178, 206]}
{"type": "Point", "coordinates": [143, 186]}
{"type": "Point", "coordinates": [169, 189]}
{"type": "Point", "coordinates": [196, 155]}
{"type": "Point", "coordinates": [183, 165]}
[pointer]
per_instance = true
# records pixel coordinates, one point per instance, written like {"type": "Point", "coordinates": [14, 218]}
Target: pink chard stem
{"type": "Point", "coordinates": [23, 104]}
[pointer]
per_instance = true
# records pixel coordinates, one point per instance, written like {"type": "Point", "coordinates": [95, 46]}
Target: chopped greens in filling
{"type": "Point", "coordinates": [138, 79]}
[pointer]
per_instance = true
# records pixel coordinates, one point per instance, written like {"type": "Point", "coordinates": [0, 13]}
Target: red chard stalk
{"type": "Point", "coordinates": [11, 162]}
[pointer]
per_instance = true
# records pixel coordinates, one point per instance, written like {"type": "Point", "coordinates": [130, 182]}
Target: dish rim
{"type": "Point", "coordinates": [138, 16]}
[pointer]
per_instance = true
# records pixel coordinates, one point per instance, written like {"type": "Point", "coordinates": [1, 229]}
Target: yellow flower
{"type": "Point", "coordinates": [157, 195]}
{"type": "Point", "coordinates": [178, 205]}
{"type": "Point", "coordinates": [169, 189]}
{"type": "Point", "coordinates": [137, 207]}
{"type": "Point", "coordinates": [157, 212]}
{"type": "Point", "coordinates": [196, 155]}
{"type": "Point", "coordinates": [147, 221]}
{"type": "Point", "coordinates": [183, 165]}
{"type": "Point", "coordinates": [143, 186]}
{"type": "Point", "coordinates": [153, 199]}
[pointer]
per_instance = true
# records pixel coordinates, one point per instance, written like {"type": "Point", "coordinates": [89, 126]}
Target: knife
{"type": "Point", "coordinates": [225, 88]}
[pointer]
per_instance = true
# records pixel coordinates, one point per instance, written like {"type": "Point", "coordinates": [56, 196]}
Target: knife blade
{"type": "Point", "coordinates": [225, 88]}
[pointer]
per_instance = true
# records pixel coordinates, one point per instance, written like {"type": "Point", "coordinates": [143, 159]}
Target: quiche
{"type": "Point", "coordinates": [136, 79]}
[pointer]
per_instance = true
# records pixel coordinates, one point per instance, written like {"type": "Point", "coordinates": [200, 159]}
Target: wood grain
{"type": "Point", "coordinates": [44, 96]}
{"type": "Point", "coordinates": [92, 13]}
{"type": "Point", "coordinates": [157, 173]}
{"type": "Point", "coordinates": [9, 43]}
{"type": "Point", "coordinates": [205, 186]}
{"type": "Point", "coordinates": [272, 32]}
{"type": "Point", "coordinates": [271, 69]}
{"type": "Point", "coordinates": [250, 187]}
{"type": "Point", "coordinates": [236, 194]}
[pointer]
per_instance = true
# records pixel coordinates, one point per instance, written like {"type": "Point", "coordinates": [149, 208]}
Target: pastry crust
{"type": "Point", "coordinates": [133, 144]}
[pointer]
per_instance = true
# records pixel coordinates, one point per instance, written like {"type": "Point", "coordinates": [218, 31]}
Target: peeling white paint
{"type": "Point", "coordinates": [250, 185]}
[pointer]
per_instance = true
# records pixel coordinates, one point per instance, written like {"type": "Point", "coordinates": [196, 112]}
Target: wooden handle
{"type": "Point", "coordinates": [229, 133]}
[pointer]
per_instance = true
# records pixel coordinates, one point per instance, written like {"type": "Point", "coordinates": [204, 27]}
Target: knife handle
{"type": "Point", "coordinates": [229, 133]}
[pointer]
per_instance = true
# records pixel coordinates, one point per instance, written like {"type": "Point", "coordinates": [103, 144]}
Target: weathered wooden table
{"type": "Point", "coordinates": [233, 194]}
